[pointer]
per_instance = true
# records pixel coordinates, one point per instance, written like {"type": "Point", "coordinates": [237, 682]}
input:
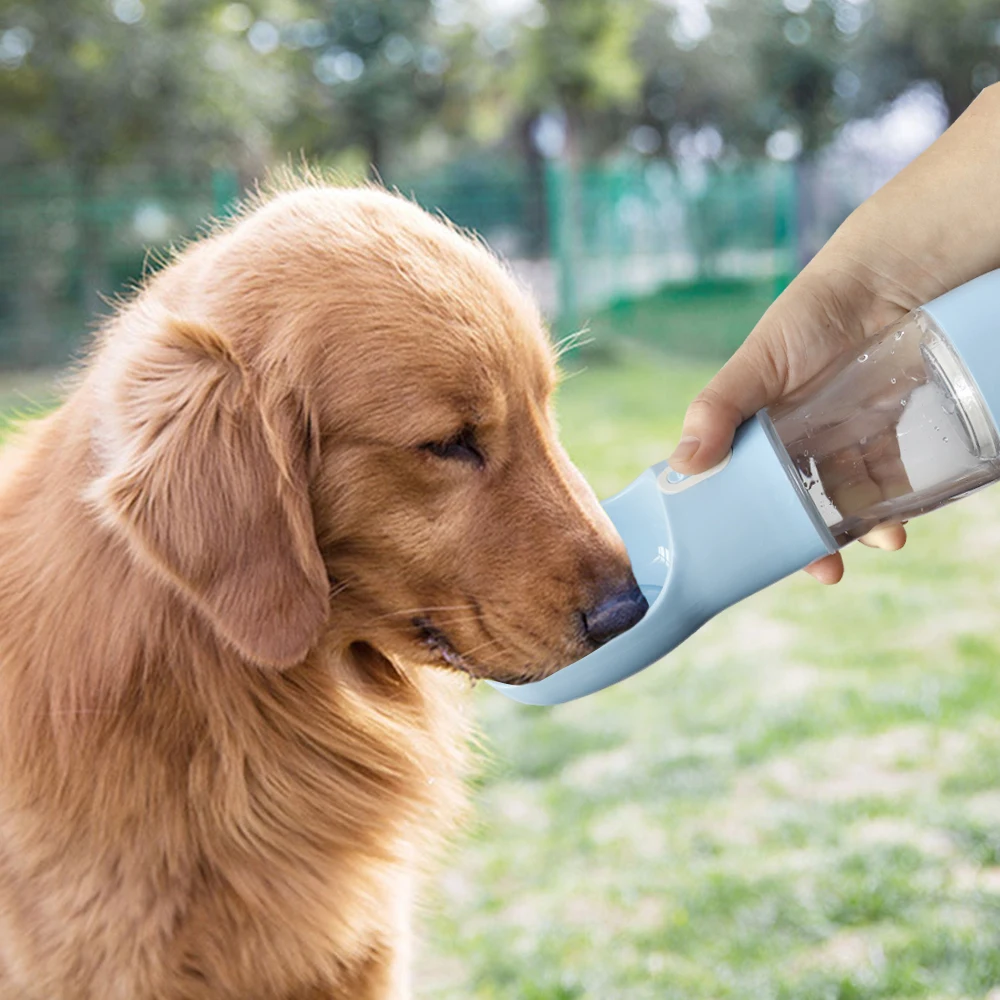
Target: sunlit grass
{"type": "Point", "coordinates": [23, 395]}
{"type": "Point", "coordinates": [801, 802]}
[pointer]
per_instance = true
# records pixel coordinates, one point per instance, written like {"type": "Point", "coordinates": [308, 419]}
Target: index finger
{"type": "Point", "coordinates": [747, 382]}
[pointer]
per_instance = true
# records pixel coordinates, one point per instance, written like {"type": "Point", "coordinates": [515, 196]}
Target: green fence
{"type": "Point", "coordinates": [506, 203]}
{"type": "Point", "coordinates": [66, 251]}
{"type": "Point", "coordinates": [686, 260]}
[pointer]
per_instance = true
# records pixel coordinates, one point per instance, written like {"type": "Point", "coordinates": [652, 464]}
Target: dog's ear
{"type": "Point", "coordinates": [208, 476]}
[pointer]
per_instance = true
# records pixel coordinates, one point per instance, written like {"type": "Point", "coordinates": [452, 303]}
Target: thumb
{"type": "Point", "coordinates": [753, 378]}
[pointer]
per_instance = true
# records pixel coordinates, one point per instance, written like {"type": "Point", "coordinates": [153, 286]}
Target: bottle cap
{"type": "Point", "coordinates": [969, 316]}
{"type": "Point", "coordinates": [948, 371]}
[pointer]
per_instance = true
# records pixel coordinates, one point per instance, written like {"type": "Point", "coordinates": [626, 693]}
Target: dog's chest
{"type": "Point", "coordinates": [278, 838]}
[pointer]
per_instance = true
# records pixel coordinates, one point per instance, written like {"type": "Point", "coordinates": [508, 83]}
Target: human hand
{"type": "Point", "coordinates": [922, 234]}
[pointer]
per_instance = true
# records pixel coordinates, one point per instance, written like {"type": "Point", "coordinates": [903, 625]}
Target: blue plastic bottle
{"type": "Point", "coordinates": [900, 426]}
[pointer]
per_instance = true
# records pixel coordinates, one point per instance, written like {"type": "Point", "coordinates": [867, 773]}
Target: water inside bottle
{"type": "Point", "coordinates": [890, 432]}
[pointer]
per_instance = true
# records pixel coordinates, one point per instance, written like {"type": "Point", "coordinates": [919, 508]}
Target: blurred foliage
{"type": "Point", "coordinates": [578, 59]}
{"type": "Point", "coordinates": [161, 99]}
{"type": "Point", "coordinates": [91, 84]}
{"type": "Point", "coordinates": [954, 43]}
{"type": "Point", "coordinates": [87, 85]}
{"type": "Point", "coordinates": [363, 74]}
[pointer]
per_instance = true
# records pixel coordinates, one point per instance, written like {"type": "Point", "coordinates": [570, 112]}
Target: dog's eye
{"type": "Point", "coordinates": [462, 447]}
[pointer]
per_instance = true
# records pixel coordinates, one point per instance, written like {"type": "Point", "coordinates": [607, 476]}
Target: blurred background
{"type": "Point", "coordinates": [627, 156]}
{"type": "Point", "coordinates": [803, 801]}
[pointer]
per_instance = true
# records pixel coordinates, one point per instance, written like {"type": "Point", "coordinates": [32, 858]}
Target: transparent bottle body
{"type": "Point", "coordinates": [890, 430]}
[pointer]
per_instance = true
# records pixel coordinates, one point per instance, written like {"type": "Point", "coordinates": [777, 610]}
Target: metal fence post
{"type": "Point", "coordinates": [561, 191]}
{"type": "Point", "coordinates": [225, 192]}
{"type": "Point", "coordinates": [786, 225]}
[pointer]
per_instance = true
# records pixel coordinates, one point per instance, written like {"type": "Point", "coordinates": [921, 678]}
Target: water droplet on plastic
{"type": "Point", "coordinates": [902, 402]}
{"type": "Point", "coordinates": [893, 381]}
{"type": "Point", "coordinates": [862, 357]}
{"type": "Point", "coordinates": [945, 439]}
{"type": "Point", "coordinates": [899, 334]}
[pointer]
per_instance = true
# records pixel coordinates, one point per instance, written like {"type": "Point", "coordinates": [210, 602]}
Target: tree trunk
{"type": "Point", "coordinates": [95, 280]}
{"type": "Point", "coordinates": [569, 227]}
{"type": "Point", "coordinates": [536, 220]}
{"type": "Point", "coordinates": [375, 147]}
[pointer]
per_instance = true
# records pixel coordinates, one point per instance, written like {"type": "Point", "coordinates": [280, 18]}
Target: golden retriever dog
{"type": "Point", "coordinates": [306, 486]}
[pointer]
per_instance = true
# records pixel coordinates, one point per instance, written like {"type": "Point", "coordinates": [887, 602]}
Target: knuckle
{"type": "Point", "coordinates": [702, 404]}
{"type": "Point", "coordinates": [987, 95]}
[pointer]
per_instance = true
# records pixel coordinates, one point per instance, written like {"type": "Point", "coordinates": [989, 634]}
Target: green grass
{"type": "Point", "coordinates": [706, 320]}
{"type": "Point", "coordinates": [802, 802]}
{"type": "Point", "coordinates": [22, 395]}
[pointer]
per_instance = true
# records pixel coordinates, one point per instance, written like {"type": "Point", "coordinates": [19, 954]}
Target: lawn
{"type": "Point", "coordinates": [24, 393]}
{"type": "Point", "coordinates": [706, 320]}
{"type": "Point", "coordinates": [802, 802]}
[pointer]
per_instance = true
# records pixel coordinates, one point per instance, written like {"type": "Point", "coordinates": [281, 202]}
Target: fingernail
{"type": "Point", "coordinates": [685, 449]}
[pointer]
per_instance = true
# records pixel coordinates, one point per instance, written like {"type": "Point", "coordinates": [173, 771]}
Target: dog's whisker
{"type": "Point", "coordinates": [416, 612]}
{"type": "Point", "coordinates": [578, 338]}
{"type": "Point", "coordinates": [482, 645]}
{"type": "Point", "coordinates": [564, 376]}
{"type": "Point", "coordinates": [458, 620]}
{"type": "Point", "coordinates": [488, 660]}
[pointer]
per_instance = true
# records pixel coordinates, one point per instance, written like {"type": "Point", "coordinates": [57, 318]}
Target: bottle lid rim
{"type": "Point", "coordinates": [957, 382]}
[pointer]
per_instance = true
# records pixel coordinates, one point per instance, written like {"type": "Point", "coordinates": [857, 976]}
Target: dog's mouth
{"type": "Point", "coordinates": [433, 638]}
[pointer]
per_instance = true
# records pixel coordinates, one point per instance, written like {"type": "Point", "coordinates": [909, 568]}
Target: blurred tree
{"type": "Point", "coordinates": [574, 61]}
{"type": "Point", "coordinates": [955, 43]}
{"type": "Point", "coordinates": [802, 68]}
{"type": "Point", "coordinates": [92, 85]}
{"type": "Point", "coordinates": [367, 74]}
{"type": "Point", "coordinates": [745, 70]}
{"type": "Point", "coordinates": [577, 59]}
{"type": "Point", "coordinates": [698, 72]}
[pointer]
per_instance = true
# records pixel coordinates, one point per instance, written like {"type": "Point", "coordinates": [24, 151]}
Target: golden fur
{"type": "Point", "coordinates": [239, 598]}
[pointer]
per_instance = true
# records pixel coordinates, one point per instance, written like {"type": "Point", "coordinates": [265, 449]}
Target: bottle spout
{"type": "Point", "coordinates": [640, 517]}
{"type": "Point", "coordinates": [697, 544]}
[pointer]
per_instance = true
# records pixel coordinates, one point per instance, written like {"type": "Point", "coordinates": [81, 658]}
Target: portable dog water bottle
{"type": "Point", "coordinates": [896, 427]}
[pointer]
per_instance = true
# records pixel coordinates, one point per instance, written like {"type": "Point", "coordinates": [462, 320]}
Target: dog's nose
{"type": "Point", "coordinates": [614, 615]}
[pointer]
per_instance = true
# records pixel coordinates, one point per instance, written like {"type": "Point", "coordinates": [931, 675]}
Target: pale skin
{"type": "Point", "coordinates": [933, 227]}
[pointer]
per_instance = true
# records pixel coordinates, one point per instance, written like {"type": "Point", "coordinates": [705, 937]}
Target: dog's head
{"type": "Point", "coordinates": [336, 419]}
